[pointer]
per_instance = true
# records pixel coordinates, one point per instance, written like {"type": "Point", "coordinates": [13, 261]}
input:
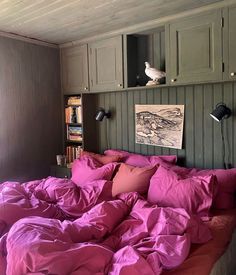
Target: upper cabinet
{"type": "Point", "coordinates": [229, 44]}
{"type": "Point", "coordinates": [106, 64]}
{"type": "Point", "coordinates": [141, 47]}
{"type": "Point", "coordinates": [74, 61]}
{"type": "Point", "coordinates": [198, 48]}
{"type": "Point", "coordinates": [195, 46]}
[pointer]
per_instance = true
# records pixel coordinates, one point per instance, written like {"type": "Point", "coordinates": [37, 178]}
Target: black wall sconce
{"type": "Point", "coordinates": [220, 112]}
{"type": "Point", "coordinates": [101, 113]}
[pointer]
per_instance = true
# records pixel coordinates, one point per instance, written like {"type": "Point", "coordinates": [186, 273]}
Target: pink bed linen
{"type": "Point", "coordinates": [203, 257]}
{"type": "Point", "coordinates": [59, 228]}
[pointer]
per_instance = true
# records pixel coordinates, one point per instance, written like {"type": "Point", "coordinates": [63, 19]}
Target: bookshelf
{"type": "Point", "coordinates": [73, 130]}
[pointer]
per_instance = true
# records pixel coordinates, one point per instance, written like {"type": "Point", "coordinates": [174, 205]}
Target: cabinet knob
{"type": "Point", "coordinates": [119, 85]}
{"type": "Point", "coordinates": [85, 88]}
{"type": "Point", "coordinates": [233, 74]}
{"type": "Point", "coordinates": [173, 80]}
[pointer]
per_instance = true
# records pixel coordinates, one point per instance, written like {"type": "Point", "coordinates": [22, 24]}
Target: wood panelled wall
{"type": "Point", "coordinates": [30, 109]}
{"type": "Point", "coordinates": [202, 144]}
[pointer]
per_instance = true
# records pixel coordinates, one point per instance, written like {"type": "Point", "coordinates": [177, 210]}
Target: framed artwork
{"type": "Point", "coordinates": [159, 125]}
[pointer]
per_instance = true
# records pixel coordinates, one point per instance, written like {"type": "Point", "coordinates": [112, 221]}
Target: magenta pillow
{"type": "Point", "coordinates": [225, 196]}
{"type": "Point", "coordinates": [132, 179]}
{"type": "Point", "coordinates": [141, 160]}
{"type": "Point", "coordinates": [87, 169]}
{"type": "Point", "coordinates": [170, 189]}
{"type": "Point", "coordinates": [101, 158]}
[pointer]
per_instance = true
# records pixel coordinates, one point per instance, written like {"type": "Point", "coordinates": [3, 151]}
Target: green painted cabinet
{"type": "Point", "coordinates": [106, 64]}
{"type": "Point", "coordinates": [195, 45]}
{"type": "Point", "coordinates": [74, 69]}
{"type": "Point", "coordinates": [229, 39]}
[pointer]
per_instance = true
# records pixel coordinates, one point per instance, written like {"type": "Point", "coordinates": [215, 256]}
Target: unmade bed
{"type": "Point", "coordinates": [131, 214]}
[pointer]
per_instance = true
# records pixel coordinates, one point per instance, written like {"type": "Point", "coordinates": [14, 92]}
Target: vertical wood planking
{"type": "Point", "coordinates": [113, 120]}
{"type": "Point", "coordinates": [218, 157]}
{"type": "Point", "coordinates": [180, 97]}
{"type": "Point", "coordinates": [137, 147]}
{"type": "Point", "coordinates": [101, 125]}
{"type": "Point", "coordinates": [190, 127]}
{"type": "Point", "coordinates": [208, 106]}
{"type": "Point", "coordinates": [198, 126]}
{"type": "Point", "coordinates": [228, 123]}
{"type": "Point", "coordinates": [118, 106]}
{"type": "Point", "coordinates": [202, 145]}
{"type": "Point", "coordinates": [124, 117]}
{"type": "Point", "coordinates": [131, 136]}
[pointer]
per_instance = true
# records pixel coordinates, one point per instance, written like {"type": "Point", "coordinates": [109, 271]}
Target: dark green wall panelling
{"type": "Point", "coordinates": [202, 145]}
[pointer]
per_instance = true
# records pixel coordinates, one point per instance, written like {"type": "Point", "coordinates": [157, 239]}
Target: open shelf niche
{"type": "Point", "coordinates": [144, 46]}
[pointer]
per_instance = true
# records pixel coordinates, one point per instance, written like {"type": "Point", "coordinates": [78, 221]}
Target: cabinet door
{"type": "Point", "coordinates": [105, 64]}
{"type": "Point", "coordinates": [195, 48]}
{"type": "Point", "coordinates": [75, 69]}
{"type": "Point", "coordinates": [230, 43]}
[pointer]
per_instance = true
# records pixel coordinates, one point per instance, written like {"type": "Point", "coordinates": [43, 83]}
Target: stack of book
{"type": "Point", "coordinates": [74, 100]}
{"type": "Point", "coordinates": [73, 114]}
{"type": "Point", "coordinates": [72, 153]}
{"type": "Point", "coordinates": [74, 133]}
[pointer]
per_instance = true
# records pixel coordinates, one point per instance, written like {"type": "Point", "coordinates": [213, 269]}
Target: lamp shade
{"type": "Point", "coordinates": [101, 114]}
{"type": "Point", "coordinates": [221, 111]}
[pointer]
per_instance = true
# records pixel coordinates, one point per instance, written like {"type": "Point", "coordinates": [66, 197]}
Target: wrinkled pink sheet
{"type": "Point", "coordinates": [51, 226]}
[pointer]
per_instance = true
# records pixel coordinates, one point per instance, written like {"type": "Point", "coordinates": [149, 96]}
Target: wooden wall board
{"type": "Point", "coordinates": [202, 142]}
{"type": "Point", "coordinates": [30, 109]}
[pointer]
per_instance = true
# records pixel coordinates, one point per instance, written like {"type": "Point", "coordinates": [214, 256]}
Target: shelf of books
{"type": "Point", "coordinates": [73, 127]}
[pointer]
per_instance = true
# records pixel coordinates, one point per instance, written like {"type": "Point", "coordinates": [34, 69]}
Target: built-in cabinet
{"type": "Point", "coordinates": [190, 50]}
{"type": "Point", "coordinates": [74, 68]}
{"type": "Point", "coordinates": [229, 44]}
{"type": "Point", "coordinates": [106, 64]}
{"type": "Point", "coordinates": [196, 48]}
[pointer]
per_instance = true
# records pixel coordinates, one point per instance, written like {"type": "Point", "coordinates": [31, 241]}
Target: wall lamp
{"type": "Point", "coordinates": [220, 112]}
{"type": "Point", "coordinates": [101, 113]}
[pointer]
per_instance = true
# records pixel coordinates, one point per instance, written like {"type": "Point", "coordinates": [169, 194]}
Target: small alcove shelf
{"type": "Point", "coordinates": [140, 47]}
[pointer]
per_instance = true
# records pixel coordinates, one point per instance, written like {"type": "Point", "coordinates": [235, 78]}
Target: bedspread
{"type": "Point", "coordinates": [51, 226]}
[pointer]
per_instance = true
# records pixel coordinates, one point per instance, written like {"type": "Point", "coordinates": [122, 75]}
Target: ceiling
{"type": "Point", "coordinates": [61, 21]}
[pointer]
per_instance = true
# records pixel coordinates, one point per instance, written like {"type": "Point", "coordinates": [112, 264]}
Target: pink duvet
{"type": "Point", "coordinates": [51, 226]}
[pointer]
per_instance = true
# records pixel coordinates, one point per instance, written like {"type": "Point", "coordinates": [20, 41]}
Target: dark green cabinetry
{"type": "Point", "coordinates": [196, 48]}
{"type": "Point", "coordinates": [229, 39]}
{"type": "Point", "coordinates": [106, 64]}
{"type": "Point", "coordinates": [74, 69]}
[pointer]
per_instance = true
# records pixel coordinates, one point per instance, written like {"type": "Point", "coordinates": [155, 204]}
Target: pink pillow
{"type": "Point", "coordinates": [225, 197]}
{"type": "Point", "coordinates": [132, 179]}
{"type": "Point", "coordinates": [102, 158]}
{"type": "Point", "coordinates": [141, 160]}
{"type": "Point", "coordinates": [87, 169]}
{"type": "Point", "coordinates": [170, 189]}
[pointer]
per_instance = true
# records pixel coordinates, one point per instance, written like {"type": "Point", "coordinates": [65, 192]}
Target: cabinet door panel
{"type": "Point", "coordinates": [105, 64]}
{"type": "Point", "coordinates": [195, 48]}
{"type": "Point", "coordinates": [232, 42]}
{"type": "Point", "coordinates": [75, 69]}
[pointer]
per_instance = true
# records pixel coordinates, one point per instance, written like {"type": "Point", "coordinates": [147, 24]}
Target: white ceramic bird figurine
{"type": "Point", "coordinates": [153, 73]}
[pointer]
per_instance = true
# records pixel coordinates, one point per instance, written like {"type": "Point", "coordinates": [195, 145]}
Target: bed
{"type": "Point", "coordinates": [110, 219]}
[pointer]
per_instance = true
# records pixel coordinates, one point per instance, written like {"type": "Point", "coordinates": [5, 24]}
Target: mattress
{"type": "Point", "coordinates": [226, 265]}
{"type": "Point", "coordinates": [217, 256]}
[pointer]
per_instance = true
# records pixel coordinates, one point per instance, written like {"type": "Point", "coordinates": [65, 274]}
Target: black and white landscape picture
{"type": "Point", "coordinates": [159, 125]}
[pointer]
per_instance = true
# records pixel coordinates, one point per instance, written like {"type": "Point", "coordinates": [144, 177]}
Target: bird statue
{"type": "Point", "coordinates": [154, 74]}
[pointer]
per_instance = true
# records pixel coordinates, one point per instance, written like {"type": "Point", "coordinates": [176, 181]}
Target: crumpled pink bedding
{"type": "Point", "coordinates": [51, 226]}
